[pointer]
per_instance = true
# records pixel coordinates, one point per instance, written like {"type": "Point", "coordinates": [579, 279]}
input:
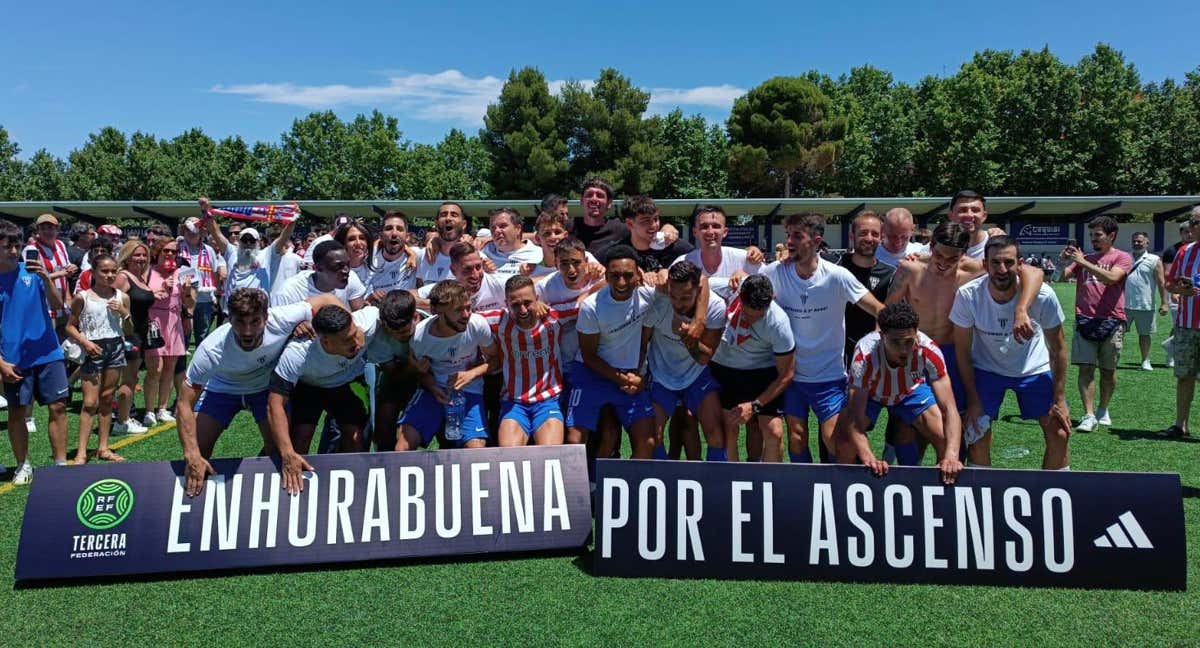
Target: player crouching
{"type": "Point", "coordinates": [900, 368]}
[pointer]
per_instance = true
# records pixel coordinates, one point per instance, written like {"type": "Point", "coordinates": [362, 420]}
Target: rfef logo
{"type": "Point", "coordinates": [104, 504]}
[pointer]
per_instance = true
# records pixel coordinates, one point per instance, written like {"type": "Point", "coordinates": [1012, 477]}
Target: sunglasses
{"type": "Point", "coordinates": [171, 250]}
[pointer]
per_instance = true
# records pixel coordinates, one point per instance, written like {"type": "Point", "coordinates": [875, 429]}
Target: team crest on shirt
{"type": "Point", "coordinates": [27, 280]}
{"type": "Point", "coordinates": [874, 282]}
{"type": "Point", "coordinates": [262, 360]}
{"type": "Point", "coordinates": [914, 376]}
{"type": "Point", "coordinates": [1003, 322]}
{"type": "Point", "coordinates": [804, 299]}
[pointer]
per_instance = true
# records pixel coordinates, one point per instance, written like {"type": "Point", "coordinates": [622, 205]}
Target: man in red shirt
{"type": "Point", "coordinates": [1183, 279]}
{"type": "Point", "coordinates": [55, 260]}
{"type": "Point", "coordinates": [1099, 316]}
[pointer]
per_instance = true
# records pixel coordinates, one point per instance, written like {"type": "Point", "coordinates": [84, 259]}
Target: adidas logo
{"type": "Point", "coordinates": [1125, 533]}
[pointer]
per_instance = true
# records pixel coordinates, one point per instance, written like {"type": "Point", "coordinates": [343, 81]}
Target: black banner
{"type": "Point", "coordinates": [135, 518]}
{"type": "Point", "coordinates": [840, 523]}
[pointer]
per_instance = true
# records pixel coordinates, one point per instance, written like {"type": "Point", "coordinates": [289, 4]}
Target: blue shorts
{"type": "Point", "coordinates": [956, 383]}
{"type": "Point", "coordinates": [531, 416]}
{"type": "Point", "coordinates": [590, 393]}
{"type": "Point", "coordinates": [907, 410]}
{"type": "Point", "coordinates": [1035, 394]}
{"type": "Point", "coordinates": [223, 407]}
{"type": "Point", "coordinates": [691, 396]}
{"type": "Point", "coordinates": [428, 417]}
{"type": "Point", "coordinates": [47, 382]}
{"type": "Point", "coordinates": [825, 399]}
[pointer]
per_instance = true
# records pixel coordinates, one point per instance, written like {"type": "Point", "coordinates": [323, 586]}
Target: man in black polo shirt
{"type": "Point", "coordinates": [641, 217]}
{"type": "Point", "coordinates": [597, 232]}
{"type": "Point", "coordinates": [866, 232]}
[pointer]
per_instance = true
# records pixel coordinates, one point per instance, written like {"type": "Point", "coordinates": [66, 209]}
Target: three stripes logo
{"type": "Point", "coordinates": [1125, 533]}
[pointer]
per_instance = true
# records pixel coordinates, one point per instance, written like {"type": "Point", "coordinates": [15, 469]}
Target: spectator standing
{"type": "Point", "coordinates": [1183, 280]}
{"type": "Point", "coordinates": [210, 272]}
{"type": "Point", "coordinates": [81, 237]}
{"type": "Point", "coordinates": [133, 280]}
{"type": "Point", "coordinates": [1145, 279]}
{"type": "Point", "coordinates": [1099, 316]}
{"type": "Point", "coordinates": [1168, 257]}
{"type": "Point", "coordinates": [173, 294]}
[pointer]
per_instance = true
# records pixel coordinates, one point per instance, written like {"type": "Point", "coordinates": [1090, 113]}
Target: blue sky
{"type": "Point", "coordinates": [68, 68]}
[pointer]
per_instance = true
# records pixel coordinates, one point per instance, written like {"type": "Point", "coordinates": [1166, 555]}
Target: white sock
{"type": "Point", "coordinates": [1066, 468]}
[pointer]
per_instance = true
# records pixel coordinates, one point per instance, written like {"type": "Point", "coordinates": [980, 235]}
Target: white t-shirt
{"type": "Point", "coordinates": [489, 297]}
{"type": "Point", "coordinates": [436, 271]}
{"type": "Point", "coordinates": [618, 323]}
{"type": "Point", "coordinates": [302, 287]}
{"type": "Point", "coordinates": [450, 355]}
{"type": "Point", "coordinates": [258, 275]}
{"type": "Point", "coordinates": [888, 257]}
{"type": "Point", "coordinates": [308, 251]}
{"type": "Point", "coordinates": [283, 268]}
{"type": "Point", "coordinates": [732, 260]}
{"type": "Point", "coordinates": [670, 363]}
{"type": "Point", "coordinates": [363, 272]}
{"type": "Point", "coordinates": [816, 308]}
{"type": "Point", "coordinates": [755, 346]}
{"type": "Point", "coordinates": [993, 347]}
{"type": "Point", "coordinates": [509, 263]}
{"type": "Point", "coordinates": [565, 302]}
{"type": "Point", "coordinates": [976, 251]}
{"type": "Point", "coordinates": [393, 275]}
{"type": "Point", "coordinates": [221, 366]}
{"type": "Point", "coordinates": [307, 361]}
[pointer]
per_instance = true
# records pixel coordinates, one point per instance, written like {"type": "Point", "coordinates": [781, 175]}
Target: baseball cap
{"type": "Point", "coordinates": [249, 231]}
{"type": "Point", "coordinates": [483, 233]}
{"type": "Point", "coordinates": [108, 229]}
{"type": "Point", "coordinates": [46, 218]}
{"type": "Point", "coordinates": [192, 224]}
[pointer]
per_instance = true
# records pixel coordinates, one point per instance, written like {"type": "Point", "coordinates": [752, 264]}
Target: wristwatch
{"type": "Point", "coordinates": [756, 406]}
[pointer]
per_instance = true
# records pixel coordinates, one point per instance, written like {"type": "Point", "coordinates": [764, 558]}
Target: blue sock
{"type": "Point", "coordinates": [660, 452]}
{"type": "Point", "coordinates": [804, 456]}
{"type": "Point", "coordinates": [908, 454]}
{"type": "Point", "coordinates": [716, 454]}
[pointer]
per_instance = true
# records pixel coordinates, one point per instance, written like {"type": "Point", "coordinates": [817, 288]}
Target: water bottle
{"type": "Point", "coordinates": [456, 409]}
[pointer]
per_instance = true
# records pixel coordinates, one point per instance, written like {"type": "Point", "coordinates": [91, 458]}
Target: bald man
{"type": "Point", "coordinates": [897, 238]}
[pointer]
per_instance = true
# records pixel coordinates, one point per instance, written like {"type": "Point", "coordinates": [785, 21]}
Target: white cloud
{"type": "Point", "coordinates": [447, 96]}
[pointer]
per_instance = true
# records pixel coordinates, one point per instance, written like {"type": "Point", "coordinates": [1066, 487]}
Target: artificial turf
{"type": "Point", "coordinates": [554, 600]}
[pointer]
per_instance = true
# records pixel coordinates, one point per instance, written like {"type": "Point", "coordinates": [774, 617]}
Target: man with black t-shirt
{"type": "Point", "coordinates": [866, 232]}
{"type": "Point", "coordinates": [641, 217]}
{"type": "Point", "coordinates": [593, 229]}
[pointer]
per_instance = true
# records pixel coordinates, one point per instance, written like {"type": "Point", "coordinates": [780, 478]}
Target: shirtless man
{"type": "Point", "coordinates": [929, 286]}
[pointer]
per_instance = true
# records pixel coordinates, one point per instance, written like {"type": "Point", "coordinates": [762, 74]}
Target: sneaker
{"type": "Point", "coordinates": [1103, 418]}
{"type": "Point", "coordinates": [1173, 432]}
{"type": "Point", "coordinates": [24, 474]}
{"type": "Point", "coordinates": [1088, 424]}
{"type": "Point", "coordinates": [60, 462]}
{"type": "Point", "coordinates": [3, 402]}
{"type": "Point", "coordinates": [129, 427]}
{"type": "Point", "coordinates": [149, 421]}
{"type": "Point", "coordinates": [1170, 363]}
{"type": "Point", "coordinates": [30, 425]}
{"type": "Point", "coordinates": [1146, 365]}
{"type": "Point", "coordinates": [165, 417]}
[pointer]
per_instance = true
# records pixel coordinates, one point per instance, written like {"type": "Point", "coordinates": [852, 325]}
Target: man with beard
{"type": "Point", "coordinates": [595, 231]}
{"type": "Point", "coordinates": [528, 350]}
{"type": "Point", "coordinates": [1146, 278]}
{"type": "Point", "coordinates": [313, 376]}
{"type": "Point", "coordinates": [900, 368]}
{"type": "Point", "coordinates": [394, 265]}
{"type": "Point", "coordinates": [246, 265]}
{"type": "Point", "coordinates": [611, 354]}
{"type": "Point", "coordinates": [485, 290]}
{"type": "Point", "coordinates": [1034, 368]}
{"type": "Point", "coordinates": [208, 269]}
{"type": "Point", "coordinates": [507, 251]}
{"type": "Point", "coordinates": [866, 232]}
{"type": "Point", "coordinates": [330, 274]}
{"type": "Point", "coordinates": [396, 374]}
{"type": "Point", "coordinates": [679, 365]}
{"type": "Point", "coordinates": [459, 347]}
{"type": "Point", "coordinates": [930, 285]}
{"type": "Point", "coordinates": [450, 226]}
{"type": "Point", "coordinates": [716, 261]}
{"type": "Point", "coordinates": [969, 210]}
{"type": "Point", "coordinates": [53, 257]}
{"type": "Point", "coordinates": [230, 371]}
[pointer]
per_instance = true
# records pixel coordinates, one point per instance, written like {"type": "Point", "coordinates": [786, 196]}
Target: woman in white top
{"type": "Point", "coordinates": [97, 325]}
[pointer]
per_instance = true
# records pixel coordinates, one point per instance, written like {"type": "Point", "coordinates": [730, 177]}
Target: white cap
{"type": "Point", "coordinates": [249, 231]}
{"type": "Point", "coordinates": [483, 233]}
{"type": "Point", "coordinates": [192, 224]}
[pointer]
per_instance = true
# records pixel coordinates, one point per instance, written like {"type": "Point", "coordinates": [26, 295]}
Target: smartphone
{"type": "Point", "coordinates": [1072, 243]}
{"type": "Point", "coordinates": [32, 255]}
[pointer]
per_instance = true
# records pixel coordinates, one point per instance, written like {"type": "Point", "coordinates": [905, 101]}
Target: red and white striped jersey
{"type": "Point", "coordinates": [886, 384]}
{"type": "Point", "coordinates": [532, 373]}
{"type": "Point", "coordinates": [54, 258]}
{"type": "Point", "coordinates": [1186, 266]}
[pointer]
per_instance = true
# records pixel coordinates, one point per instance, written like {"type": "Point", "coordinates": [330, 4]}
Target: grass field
{"type": "Point", "coordinates": [554, 600]}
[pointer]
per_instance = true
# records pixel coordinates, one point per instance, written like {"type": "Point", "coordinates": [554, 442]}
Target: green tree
{"type": "Point", "coordinates": [881, 134]}
{"type": "Point", "coordinates": [1106, 115]}
{"type": "Point", "coordinates": [1165, 151]}
{"type": "Point", "coordinates": [44, 177]}
{"type": "Point", "coordinates": [528, 156]}
{"type": "Point", "coordinates": [783, 136]}
{"type": "Point", "coordinates": [695, 160]}
{"type": "Point", "coordinates": [192, 165]}
{"type": "Point", "coordinates": [11, 167]}
{"type": "Point", "coordinates": [324, 158]}
{"type": "Point", "coordinates": [456, 168]}
{"type": "Point", "coordinates": [99, 169]}
{"type": "Point", "coordinates": [607, 135]}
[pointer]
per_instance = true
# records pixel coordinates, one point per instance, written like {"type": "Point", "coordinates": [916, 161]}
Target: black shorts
{"type": "Point", "coordinates": [744, 385]}
{"type": "Point", "coordinates": [112, 356]}
{"type": "Point", "coordinates": [342, 404]}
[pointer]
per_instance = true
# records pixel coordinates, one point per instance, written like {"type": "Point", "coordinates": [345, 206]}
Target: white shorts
{"type": "Point", "coordinates": [1146, 321]}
